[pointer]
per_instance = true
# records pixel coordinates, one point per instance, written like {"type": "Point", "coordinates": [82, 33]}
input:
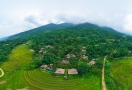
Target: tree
{"type": "Point", "coordinates": [82, 70]}
{"type": "Point", "coordinates": [47, 59]}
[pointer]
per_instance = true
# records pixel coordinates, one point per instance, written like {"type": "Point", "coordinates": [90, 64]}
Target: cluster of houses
{"type": "Point", "coordinates": [61, 71]}
{"type": "Point", "coordinates": [85, 57]}
{"type": "Point", "coordinates": [64, 62]}
{"type": "Point", "coordinates": [41, 51]}
{"type": "Point", "coordinates": [70, 56]}
{"type": "Point", "coordinates": [48, 67]}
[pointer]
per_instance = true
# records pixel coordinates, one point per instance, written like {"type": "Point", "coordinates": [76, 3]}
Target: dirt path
{"type": "Point", "coordinates": [103, 80]}
{"type": "Point", "coordinates": [2, 73]}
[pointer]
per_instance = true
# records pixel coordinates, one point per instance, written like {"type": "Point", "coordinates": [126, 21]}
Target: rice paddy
{"type": "Point", "coordinates": [122, 73]}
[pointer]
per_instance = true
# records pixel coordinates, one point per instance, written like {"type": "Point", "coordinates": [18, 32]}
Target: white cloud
{"type": "Point", "coordinates": [1, 26]}
{"type": "Point", "coordinates": [128, 23]}
{"type": "Point", "coordinates": [17, 16]}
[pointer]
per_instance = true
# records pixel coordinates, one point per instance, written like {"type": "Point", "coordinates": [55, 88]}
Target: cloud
{"type": "Point", "coordinates": [128, 23]}
{"type": "Point", "coordinates": [1, 26]}
{"type": "Point", "coordinates": [32, 19]}
{"type": "Point", "coordinates": [72, 18]}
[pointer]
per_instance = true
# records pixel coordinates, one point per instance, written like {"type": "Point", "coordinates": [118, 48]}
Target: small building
{"type": "Point", "coordinates": [85, 57]}
{"type": "Point", "coordinates": [41, 52]}
{"type": "Point", "coordinates": [65, 62]}
{"type": "Point", "coordinates": [49, 46]}
{"type": "Point", "coordinates": [83, 47]}
{"type": "Point", "coordinates": [27, 43]}
{"type": "Point", "coordinates": [72, 71]}
{"type": "Point", "coordinates": [31, 50]}
{"type": "Point", "coordinates": [44, 67]}
{"type": "Point", "coordinates": [73, 55]}
{"type": "Point", "coordinates": [59, 71]}
{"type": "Point", "coordinates": [68, 56]}
{"type": "Point", "coordinates": [91, 63]}
{"type": "Point", "coordinates": [42, 48]}
{"type": "Point", "coordinates": [51, 65]}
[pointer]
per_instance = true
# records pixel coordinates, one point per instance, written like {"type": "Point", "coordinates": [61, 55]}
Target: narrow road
{"type": "Point", "coordinates": [103, 80]}
{"type": "Point", "coordinates": [2, 72]}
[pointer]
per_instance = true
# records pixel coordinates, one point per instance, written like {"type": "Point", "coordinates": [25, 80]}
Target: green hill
{"type": "Point", "coordinates": [52, 43]}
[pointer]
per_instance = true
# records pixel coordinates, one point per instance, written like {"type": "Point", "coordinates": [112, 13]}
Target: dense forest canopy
{"type": "Point", "coordinates": [69, 39]}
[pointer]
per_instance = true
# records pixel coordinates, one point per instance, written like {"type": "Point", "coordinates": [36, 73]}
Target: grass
{"type": "Point", "coordinates": [122, 73]}
{"type": "Point", "coordinates": [17, 78]}
{"type": "Point", "coordinates": [19, 57]}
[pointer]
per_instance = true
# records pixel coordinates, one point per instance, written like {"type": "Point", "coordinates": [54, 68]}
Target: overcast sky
{"type": "Point", "coordinates": [21, 15]}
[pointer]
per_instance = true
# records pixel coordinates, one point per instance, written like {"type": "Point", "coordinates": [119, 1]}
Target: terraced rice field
{"type": "Point", "coordinates": [122, 72]}
{"type": "Point", "coordinates": [14, 81]}
{"type": "Point", "coordinates": [38, 80]}
{"type": "Point", "coordinates": [44, 80]}
{"type": "Point", "coordinates": [19, 57]}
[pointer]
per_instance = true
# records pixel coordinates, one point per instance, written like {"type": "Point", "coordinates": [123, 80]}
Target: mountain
{"type": "Point", "coordinates": [99, 41]}
{"type": "Point", "coordinates": [4, 38]}
{"type": "Point", "coordinates": [37, 31]}
{"type": "Point", "coordinates": [55, 45]}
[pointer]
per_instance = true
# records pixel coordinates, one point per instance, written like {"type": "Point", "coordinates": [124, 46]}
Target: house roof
{"type": "Point", "coordinates": [59, 71]}
{"type": "Point", "coordinates": [68, 56]}
{"type": "Point", "coordinates": [31, 50]}
{"type": "Point", "coordinates": [42, 48]}
{"type": "Point", "coordinates": [51, 64]}
{"type": "Point", "coordinates": [40, 51]}
{"type": "Point", "coordinates": [85, 57]}
{"type": "Point", "coordinates": [92, 62]}
{"type": "Point", "coordinates": [65, 62]}
{"type": "Point", "coordinates": [44, 66]}
{"type": "Point", "coordinates": [72, 71]}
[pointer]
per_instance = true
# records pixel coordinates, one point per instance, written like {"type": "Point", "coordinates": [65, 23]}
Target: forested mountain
{"type": "Point", "coordinates": [69, 38]}
{"type": "Point", "coordinates": [36, 31]}
{"type": "Point", "coordinates": [54, 44]}
{"type": "Point", "coordinates": [4, 38]}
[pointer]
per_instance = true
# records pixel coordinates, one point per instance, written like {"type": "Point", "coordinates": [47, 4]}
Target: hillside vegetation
{"type": "Point", "coordinates": [77, 44]}
{"type": "Point", "coordinates": [99, 41]}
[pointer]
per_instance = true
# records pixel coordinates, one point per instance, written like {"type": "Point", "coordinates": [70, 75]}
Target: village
{"type": "Point", "coordinates": [64, 71]}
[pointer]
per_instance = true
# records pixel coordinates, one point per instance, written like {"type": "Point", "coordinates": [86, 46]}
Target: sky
{"type": "Point", "coordinates": [21, 15]}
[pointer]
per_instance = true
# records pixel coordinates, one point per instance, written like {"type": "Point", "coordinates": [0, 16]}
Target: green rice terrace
{"type": "Point", "coordinates": [122, 72]}
{"type": "Point", "coordinates": [16, 77]}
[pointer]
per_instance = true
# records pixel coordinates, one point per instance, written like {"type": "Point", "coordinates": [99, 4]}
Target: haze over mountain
{"type": "Point", "coordinates": [19, 16]}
